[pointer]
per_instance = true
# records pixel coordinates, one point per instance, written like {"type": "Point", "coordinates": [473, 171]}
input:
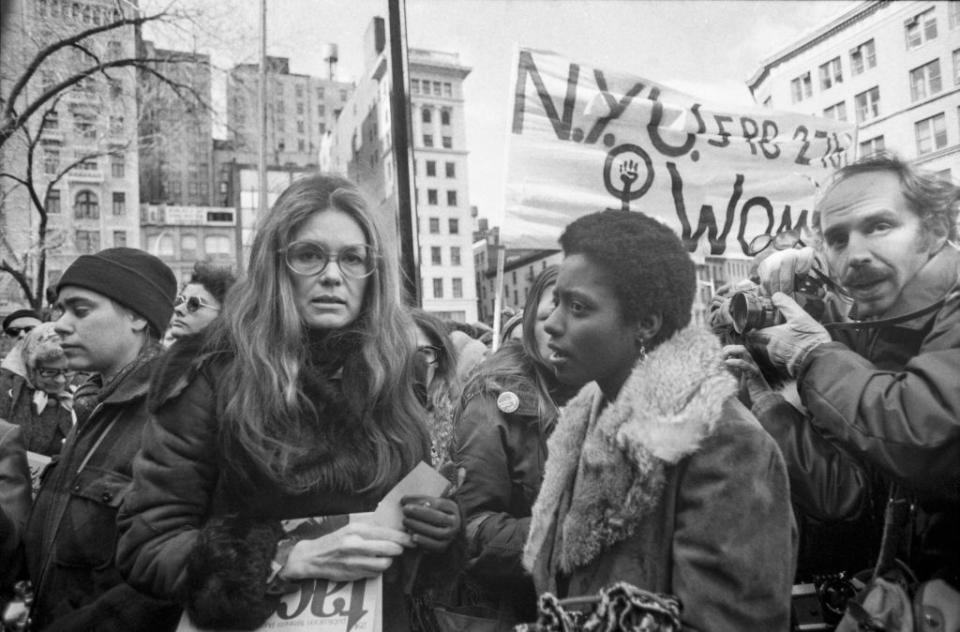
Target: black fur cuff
{"type": "Point", "coordinates": [226, 581]}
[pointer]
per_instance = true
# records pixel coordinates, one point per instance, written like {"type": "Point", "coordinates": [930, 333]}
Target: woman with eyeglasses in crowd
{"type": "Point", "coordinates": [201, 300]}
{"type": "Point", "coordinates": [38, 396]}
{"type": "Point", "coordinates": [299, 401]}
{"type": "Point", "coordinates": [507, 412]}
{"type": "Point", "coordinates": [437, 383]}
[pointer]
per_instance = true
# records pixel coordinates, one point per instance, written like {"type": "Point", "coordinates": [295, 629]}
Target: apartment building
{"type": "Point", "coordinates": [893, 68]}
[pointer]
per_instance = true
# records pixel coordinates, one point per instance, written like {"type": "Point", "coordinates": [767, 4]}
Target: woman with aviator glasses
{"type": "Point", "coordinates": [200, 301]}
{"type": "Point", "coordinates": [297, 402]}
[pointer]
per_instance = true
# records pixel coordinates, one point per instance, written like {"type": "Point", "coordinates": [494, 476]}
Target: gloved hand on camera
{"type": "Point", "coordinates": [789, 344]}
{"type": "Point", "coordinates": [778, 271]}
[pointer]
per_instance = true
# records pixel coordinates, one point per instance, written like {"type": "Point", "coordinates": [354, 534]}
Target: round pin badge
{"type": "Point", "coordinates": [508, 402]}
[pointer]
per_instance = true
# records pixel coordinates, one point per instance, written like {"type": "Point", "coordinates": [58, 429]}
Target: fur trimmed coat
{"type": "Point", "coordinates": [194, 530]}
{"type": "Point", "coordinates": [673, 487]}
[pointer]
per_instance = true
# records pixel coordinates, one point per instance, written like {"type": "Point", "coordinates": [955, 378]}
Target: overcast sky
{"type": "Point", "coordinates": [707, 49]}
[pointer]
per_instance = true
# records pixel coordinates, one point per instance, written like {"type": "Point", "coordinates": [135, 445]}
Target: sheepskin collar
{"type": "Point", "coordinates": [606, 472]}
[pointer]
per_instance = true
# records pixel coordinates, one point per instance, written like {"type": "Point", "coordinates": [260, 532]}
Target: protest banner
{"type": "Point", "coordinates": [585, 139]}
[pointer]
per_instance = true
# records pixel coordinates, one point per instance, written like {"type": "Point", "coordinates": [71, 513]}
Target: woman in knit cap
{"type": "Point", "coordinates": [298, 402]}
{"type": "Point", "coordinates": [40, 400]}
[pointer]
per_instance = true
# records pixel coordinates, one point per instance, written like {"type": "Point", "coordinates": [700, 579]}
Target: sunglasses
{"type": "Point", "coordinates": [193, 303]}
{"type": "Point", "coordinates": [429, 353]}
{"type": "Point", "coordinates": [13, 332]}
{"type": "Point", "coordinates": [48, 373]}
{"type": "Point", "coordinates": [781, 241]}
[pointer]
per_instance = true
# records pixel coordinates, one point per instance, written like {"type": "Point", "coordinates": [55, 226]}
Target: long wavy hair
{"type": "Point", "coordinates": [261, 325]}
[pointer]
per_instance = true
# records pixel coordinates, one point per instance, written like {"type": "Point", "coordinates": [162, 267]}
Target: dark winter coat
{"type": "Point", "coordinates": [72, 534]}
{"type": "Point", "coordinates": [14, 501]}
{"type": "Point", "coordinates": [43, 432]}
{"type": "Point", "coordinates": [889, 398]}
{"type": "Point", "coordinates": [673, 487]}
{"type": "Point", "coordinates": [195, 530]}
{"type": "Point", "coordinates": [500, 442]}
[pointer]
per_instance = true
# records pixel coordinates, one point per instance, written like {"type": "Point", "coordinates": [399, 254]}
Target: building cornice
{"type": "Point", "coordinates": [843, 21]}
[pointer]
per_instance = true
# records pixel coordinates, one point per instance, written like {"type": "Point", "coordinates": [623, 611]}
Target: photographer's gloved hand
{"type": "Point", "coordinates": [738, 359]}
{"type": "Point", "coordinates": [777, 271]}
{"type": "Point", "coordinates": [789, 344]}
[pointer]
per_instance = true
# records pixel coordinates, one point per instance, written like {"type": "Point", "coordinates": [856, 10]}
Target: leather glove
{"type": "Point", "coordinates": [433, 522]}
{"type": "Point", "coordinates": [778, 271]}
{"type": "Point", "coordinates": [789, 344]}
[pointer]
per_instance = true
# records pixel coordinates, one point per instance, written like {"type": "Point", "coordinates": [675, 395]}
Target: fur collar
{"type": "Point", "coordinates": [669, 404]}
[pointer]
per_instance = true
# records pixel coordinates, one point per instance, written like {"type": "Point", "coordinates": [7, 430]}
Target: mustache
{"type": "Point", "coordinates": [863, 276]}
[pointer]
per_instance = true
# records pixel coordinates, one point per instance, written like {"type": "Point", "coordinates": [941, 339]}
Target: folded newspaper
{"type": "Point", "coordinates": [332, 606]}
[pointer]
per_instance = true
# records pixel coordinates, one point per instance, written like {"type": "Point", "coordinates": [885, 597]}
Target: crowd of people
{"type": "Point", "coordinates": [153, 438]}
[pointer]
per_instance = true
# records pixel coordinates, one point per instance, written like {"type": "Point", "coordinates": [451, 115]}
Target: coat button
{"type": "Point", "coordinates": [106, 497]}
{"type": "Point", "coordinates": [76, 488]}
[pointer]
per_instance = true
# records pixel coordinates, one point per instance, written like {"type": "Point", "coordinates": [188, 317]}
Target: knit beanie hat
{"type": "Point", "coordinates": [134, 278]}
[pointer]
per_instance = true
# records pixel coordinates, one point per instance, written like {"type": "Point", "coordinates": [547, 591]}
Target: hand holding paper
{"type": "Point", "coordinates": [434, 522]}
{"type": "Point", "coordinates": [355, 551]}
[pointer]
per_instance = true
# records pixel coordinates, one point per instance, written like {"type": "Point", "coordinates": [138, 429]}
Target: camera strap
{"type": "Point", "coordinates": [885, 322]}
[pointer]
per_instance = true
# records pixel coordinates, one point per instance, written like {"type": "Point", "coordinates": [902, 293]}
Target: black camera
{"type": "Point", "coordinates": [748, 309]}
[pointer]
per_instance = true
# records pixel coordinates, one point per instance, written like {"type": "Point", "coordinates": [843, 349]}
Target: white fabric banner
{"type": "Point", "coordinates": [585, 139]}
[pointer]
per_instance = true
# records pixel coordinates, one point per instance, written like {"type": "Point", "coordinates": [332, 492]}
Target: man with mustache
{"type": "Point", "coordinates": [880, 379]}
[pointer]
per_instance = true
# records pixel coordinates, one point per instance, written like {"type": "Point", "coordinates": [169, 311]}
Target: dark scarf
{"type": "Point", "coordinates": [94, 391]}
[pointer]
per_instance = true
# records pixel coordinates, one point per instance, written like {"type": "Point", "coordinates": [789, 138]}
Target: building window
{"type": "Point", "coordinates": [457, 288]}
{"type": "Point", "coordinates": [920, 28]}
{"type": "Point", "coordinates": [931, 134]}
{"type": "Point", "coordinates": [451, 169]}
{"type": "Point", "coordinates": [116, 125]}
{"type": "Point", "coordinates": [438, 288]}
{"type": "Point", "coordinates": [53, 202]}
{"type": "Point", "coordinates": [87, 241]}
{"type": "Point", "coordinates": [115, 88]}
{"type": "Point", "coordinates": [119, 203]}
{"type": "Point", "coordinates": [119, 239]}
{"type": "Point", "coordinates": [435, 255]}
{"type": "Point", "coordinates": [51, 161]}
{"type": "Point", "coordinates": [432, 196]}
{"type": "Point", "coordinates": [837, 112]}
{"type": "Point", "coordinates": [830, 73]}
{"type": "Point", "coordinates": [454, 224]}
{"type": "Point", "coordinates": [434, 225]}
{"type": "Point", "coordinates": [447, 142]}
{"type": "Point", "coordinates": [801, 87]}
{"type": "Point", "coordinates": [863, 57]}
{"type": "Point", "coordinates": [85, 125]}
{"type": "Point", "coordinates": [428, 140]}
{"type": "Point", "coordinates": [117, 167]}
{"type": "Point", "coordinates": [114, 49]}
{"type": "Point", "coordinates": [415, 86]}
{"type": "Point", "coordinates": [86, 205]}
{"type": "Point", "coordinates": [431, 167]}
{"type": "Point", "coordinates": [451, 198]}
{"type": "Point", "coordinates": [445, 117]}
{"type": "Point", "coordinates": [217, 246]}
{"type": "Point", "coordinates": [953, 13]}
{"type": "Point", "coordinates": [302, 145]}
{"type": "Point", "coordinates": [436, 89]}
{"type": "Point", "coordinates": [956, 66]}
{"type": "Point", "coordinates": [925, 80]}
{"type": "Point", "coordinates": [868, 104]}
{"type": "Point", "coordinates": [447, 89]}
{"type": "Point", "coordinates": [322, 128]}
{"type": "Point", "coordinates": [425, 115]}
{"type": "Point", "coordinates": [188, 247]}
{"type": "Point", "coordinates": [343, 95]}
{"type": "Point", "coordinates": [872, 146]}
{"type": "Point", "coordinates": [455, 255]}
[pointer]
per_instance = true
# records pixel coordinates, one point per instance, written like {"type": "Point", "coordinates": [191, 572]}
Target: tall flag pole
{"type": "Point", "coordinates": [402, 150]}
